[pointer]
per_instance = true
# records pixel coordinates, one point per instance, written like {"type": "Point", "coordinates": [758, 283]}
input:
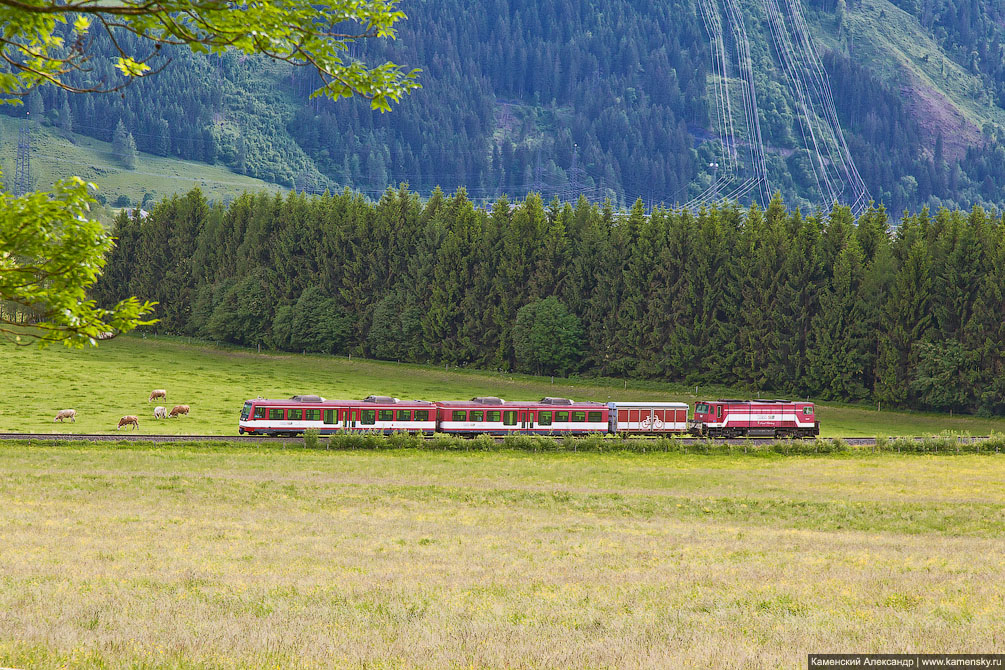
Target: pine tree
{"type": "Point", "coordinates": [124, 146]}
{"type": "Point", "coordinates": [36, 106]}
{"type": "Point", "coordinates": [984, 331]}
{"type": "Point", "coordinates": [839, 340]}
{"type": "Point", "coordinates": [908, 317]}
{"type": "Point", "coordinates": [65, 118]}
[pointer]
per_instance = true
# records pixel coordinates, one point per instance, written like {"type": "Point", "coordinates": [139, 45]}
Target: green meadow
{"type": "Point", "coordinates": [203, 557]}
{"type": "Point", "coordinates": [54, 156]}
{"type": "Point", "coordinates": [115, 379]}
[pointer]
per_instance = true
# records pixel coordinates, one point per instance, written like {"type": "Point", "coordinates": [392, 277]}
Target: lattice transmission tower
{"type": "Point", "coordinates": [22, 172]}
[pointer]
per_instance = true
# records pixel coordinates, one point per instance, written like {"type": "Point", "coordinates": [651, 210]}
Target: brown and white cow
{"type": "Point", "coordinates": [160, 412]}
{"type": "Point", "coordinates": [127, 420]}
{"type": "Point", "coordinates": [70, 414]}
{"type": "Point", "coordinates": [178, 410]}
{"type": "Point", "coordinates": [157, 393]}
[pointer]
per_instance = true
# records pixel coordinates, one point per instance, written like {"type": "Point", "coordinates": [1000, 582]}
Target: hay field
{"type": "Point", "coordinates": [116, 378]}
{"type": "Point", "coordinates": [220, 557]}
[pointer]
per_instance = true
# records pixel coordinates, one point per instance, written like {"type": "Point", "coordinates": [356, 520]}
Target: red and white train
{"type": "Point", "coordinates": [549, 416]}
{"type": "Point", "coordinates": [755, 418]}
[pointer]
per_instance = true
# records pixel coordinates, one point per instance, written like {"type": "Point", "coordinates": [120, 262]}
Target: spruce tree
{"type": "Point", "coordinates": [908, 317]}
{"type": "Point", "coordinates": [65, 118]}
{"type": "Point", "coordinates": [839, 340]}
{"type": "Point", "coordinates": [123, 145]}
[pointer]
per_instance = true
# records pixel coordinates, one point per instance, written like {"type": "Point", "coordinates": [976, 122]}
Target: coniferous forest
{"type": "Point", "coordinates": [608, 99]}
{"type": "Point", "coordinates": [771, 300]}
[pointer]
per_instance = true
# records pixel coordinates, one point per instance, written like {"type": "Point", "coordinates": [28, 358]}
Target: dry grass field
{"type": "Point", "coordinates": [223, 557]}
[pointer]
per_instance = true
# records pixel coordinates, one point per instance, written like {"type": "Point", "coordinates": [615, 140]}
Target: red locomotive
{"type": "Point", "coordinates": [754, 418]}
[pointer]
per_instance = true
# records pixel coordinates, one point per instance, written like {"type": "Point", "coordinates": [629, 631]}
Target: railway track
{"type": "Point", "coordinates": [257, 439]}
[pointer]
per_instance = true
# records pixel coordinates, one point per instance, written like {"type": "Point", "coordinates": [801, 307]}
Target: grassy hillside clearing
{"type": "Point", "coordinates": [116, 378]}
{"type": "Point", "coordinates": [53, 157]}
{"type": "Point", "coordinates": [943, 95]}
{"type": "Point", "coordinates": [186, 557]}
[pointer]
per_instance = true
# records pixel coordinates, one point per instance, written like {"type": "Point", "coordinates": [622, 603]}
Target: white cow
{"type": "Point", "coordinates": [70, 414]}
{"type": "Point", "coordinates": [160, 412]}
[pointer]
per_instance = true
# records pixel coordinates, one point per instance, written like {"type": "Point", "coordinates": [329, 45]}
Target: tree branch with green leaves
{"type": "Point", "coordinates": [51, 253]}
{"type": "Point", "coordinates": [43, 41]}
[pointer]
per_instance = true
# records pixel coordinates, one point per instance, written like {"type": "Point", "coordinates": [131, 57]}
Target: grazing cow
{"type": "Point", "coordinates": [178, 410]}
{"type": "Point", "coordinates": [157, 393]}
{"type": "Point", "coordinates": [70, 414]}
{"type": "Point", "coordinates": [127, 420]}
{"type": "Point", "coordinates": [160, 412]}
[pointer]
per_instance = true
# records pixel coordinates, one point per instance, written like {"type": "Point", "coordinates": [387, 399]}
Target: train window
{"type": "Point", "coordinates": [368, 416]}
{"type": "Point", "coordinates": [329, 416]}
{"type": "Point", "coordinates": [544, 418]}
{"type": "Point", "coordinates": [294, 414]}
{"type": "Point", "coordinates": [579, 417]}
{"type": "Point", "coordinates": [422, 415]}
{"type": "Point", "coordinates": [275, 414]}
{"type": "Point", "coordinates": [807, 410]}
{"type": "Point", "coordinates": [509, 418]}
{"type": "Point", "coordinates": [404, 415]}
{"type": "Point", "coordinates": [312, 414]}
{"type": "Point", "coordinates": [718, 411]}
{"type": "Point", "coordinates": [385, 415]}
{"type": "Point", "coordinates": [493, 416]}
{"type": "Point", "coordinates": [562, 417]}
{"type": "Point", "coordinates": [260, 412]}
{"type": "Point", "coordinates": [594, 417]}
{"type": "Point", "coordinates": [245, 411]}
{"type": "Point", "coordinates": [459, 415]}
{"type": "Point", "coordinates": [478, 415]}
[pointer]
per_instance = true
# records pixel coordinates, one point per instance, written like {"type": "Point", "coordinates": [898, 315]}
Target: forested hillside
{"type": "Point", "coordinates": [773, 300]}
{"type": "Point", "coordinates": [611, 99]}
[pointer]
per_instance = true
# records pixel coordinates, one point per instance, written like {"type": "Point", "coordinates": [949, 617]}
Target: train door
{"type": "Point", "coordinates": [348, 420]}
{"type": "Point", "coordinates": [647, 418]}
{"type": "Point", "coordinates": [681, 418]}
{"type": "Point", "coordinates": [526, 420]}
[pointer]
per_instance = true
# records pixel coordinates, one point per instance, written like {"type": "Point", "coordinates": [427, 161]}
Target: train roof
{"type": "Point", "coordinates": [371, 401]}
{"type": "Point", "coordinates": [761, 401]}
{"type": "Point", "coordinates": [493, 402]}
{"type": "Point", "coordinates": [675, 405]}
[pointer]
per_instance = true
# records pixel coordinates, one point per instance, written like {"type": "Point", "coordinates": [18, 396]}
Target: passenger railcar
{"type": "Point", "coordinates": [495, 416]}
{"type": "Point", "coordinates": [648, 418]}
{"type": "Point", "coordinates": [754, 418]}
{"type": "Point", "coordinates": [382, 414]}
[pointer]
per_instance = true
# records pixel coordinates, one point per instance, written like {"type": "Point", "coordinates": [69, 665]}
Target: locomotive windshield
{"type": "Point", "coordinates": [701, 408]}
{"type": "Point", "coordinates": [246, 411]}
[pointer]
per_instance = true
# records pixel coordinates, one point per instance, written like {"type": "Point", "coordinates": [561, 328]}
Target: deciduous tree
{"type": "Point", "coordinates": [50, 252]}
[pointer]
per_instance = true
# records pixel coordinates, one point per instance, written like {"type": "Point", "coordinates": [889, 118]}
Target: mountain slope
{"type": "Point", "coordinates": [54, 156]}
{"type": "Point", "coordinates": [675, 102]}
